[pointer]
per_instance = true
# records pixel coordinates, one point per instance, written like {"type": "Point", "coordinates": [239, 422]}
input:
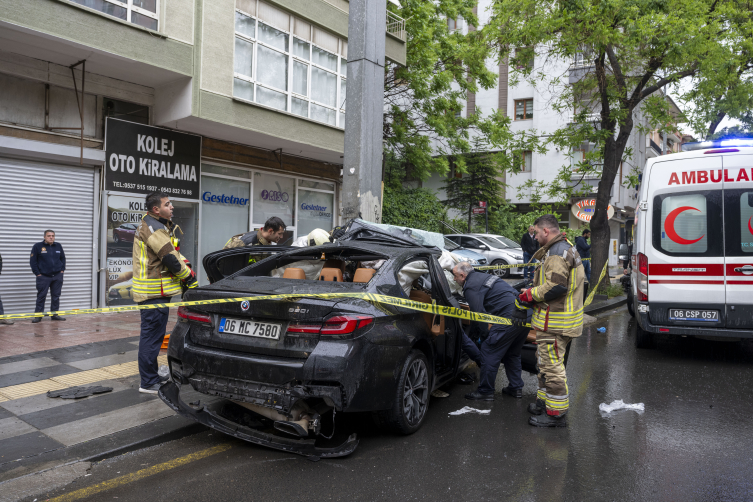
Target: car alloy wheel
{"type": "Point", "coordinates": [416, 392]}
{"type": "Point", "coordinates": [503, 273]}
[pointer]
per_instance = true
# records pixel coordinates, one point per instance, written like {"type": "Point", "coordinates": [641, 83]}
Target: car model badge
{"type": "Point", "coordinates": [245, 305]}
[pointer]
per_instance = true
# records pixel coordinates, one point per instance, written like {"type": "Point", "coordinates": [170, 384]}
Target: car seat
{"type": "Point", "coordinates": [363, 274]}
{"type": "Point", "coordinates": [331, 274]}
{"type": "Point", "coordinates": [435, 322]}
{"type": "Point", "coordinates": [294, 273]}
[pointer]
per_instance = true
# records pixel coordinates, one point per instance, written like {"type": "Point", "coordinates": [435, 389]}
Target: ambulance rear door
{"type": "Point", "coordinates": [684, 244]}
{"type": "Point", "coordinates": [738, 218]}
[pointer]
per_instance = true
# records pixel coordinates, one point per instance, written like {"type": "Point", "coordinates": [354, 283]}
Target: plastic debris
{"type": "Point", "coordinates": [468, 409]}
{"type": "Point", "coordinates": [440, 393]}
{"type": "Point", "coordinates": [163, 371]}
{"type": "Point", "coordinates": [78, 392]}
{"type": "Point", "coordinates": [601, 330]}
{"type": "Point", "coordinates": [618, 404]}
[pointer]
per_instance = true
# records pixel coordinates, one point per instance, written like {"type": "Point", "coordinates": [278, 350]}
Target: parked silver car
{"type": "Point", "coordinates": [494, 250]}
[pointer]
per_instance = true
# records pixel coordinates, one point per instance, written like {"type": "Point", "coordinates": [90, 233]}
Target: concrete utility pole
{"type": "Point", "coordinates": [362, 163]}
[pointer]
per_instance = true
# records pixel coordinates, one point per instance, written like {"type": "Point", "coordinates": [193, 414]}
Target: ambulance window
{"type": "Point", "coordinates": [738, 206]}
{"type": "Point", "coordinates": [688, 224]}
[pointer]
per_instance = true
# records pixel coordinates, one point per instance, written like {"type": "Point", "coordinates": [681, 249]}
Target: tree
{"type": "Point", "coordinates": [412, 207]}
{"type": "Point", "coordinates": [631, 50]}
{"type": "Point", "coordinates": [479, 183]}
{"type": "Point", "coordinates": [423, 122]}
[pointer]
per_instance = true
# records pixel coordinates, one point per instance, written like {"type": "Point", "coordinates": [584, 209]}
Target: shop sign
{"type": "Point", "coordinates": [275, 196]}
{"type": "Point", "coordinates": [142, 159]}
{"type": "Point", "coordinates": [223, 199]}
{"type": "Point", "coordinates": [584, 210]}
{"type": "Point", "coordinates": [316, 210]}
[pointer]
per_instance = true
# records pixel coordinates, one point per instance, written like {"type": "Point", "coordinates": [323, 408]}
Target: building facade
{"type": "Point", "coordinates": [257, 86]}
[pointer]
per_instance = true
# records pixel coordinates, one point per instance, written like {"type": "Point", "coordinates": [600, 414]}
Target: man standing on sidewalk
{"type": "Point", "coordinates": [2, 312]}
{"type": "Point", "coordinates": [584, 250]}
{"type": "Point", "coordinates": [48, 264]}
{"type": "Point", "coordinates": [557, 295]}
{"type": "Point", "coordinates": [530, 246]}
{"type": "Point", "coordinates": [159, 273]}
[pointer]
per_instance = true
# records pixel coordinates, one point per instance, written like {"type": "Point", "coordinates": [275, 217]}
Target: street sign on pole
{"type": "Point", "coordinates": [481, 204]}
{"type": "Point", "coordinates": [479, 210]}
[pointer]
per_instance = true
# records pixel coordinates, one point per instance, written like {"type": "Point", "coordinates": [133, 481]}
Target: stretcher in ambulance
{"type": "Point", "coordinates": [692, 261]}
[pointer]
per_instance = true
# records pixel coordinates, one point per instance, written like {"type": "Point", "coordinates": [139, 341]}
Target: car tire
{"type": "Point", "coordinates": [630, 306]}
{"type": "Point", "coordinates": [408, 407]}
{"type": "Point", "coordinates": [505, 272]}
{"type": "Point", "coordinates": [643, 339]}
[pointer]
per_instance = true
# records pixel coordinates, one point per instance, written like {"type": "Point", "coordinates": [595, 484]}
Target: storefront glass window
{"type": "Point", "coordinates": [314, 211]}
{"type": "Point", "coordinates": [224, 213]}
{"type": "Point", "coordinates": [274, 196]}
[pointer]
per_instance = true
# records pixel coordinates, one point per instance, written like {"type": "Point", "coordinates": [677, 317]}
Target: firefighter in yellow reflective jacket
{"type": "Point", "coordinates": [557, 296]}
{"type": "Point", "coordinates": [159, 273]}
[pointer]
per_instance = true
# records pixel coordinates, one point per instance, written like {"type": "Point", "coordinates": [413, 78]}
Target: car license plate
{"type": "Point", "coordinates": [693, 315]}
{"type": "Point", "coordinates": [267, 330]}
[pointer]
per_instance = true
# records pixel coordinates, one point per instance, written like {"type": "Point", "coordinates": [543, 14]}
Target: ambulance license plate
{"type": "Point", "coordinates": [268, 330]}
{"type": "Point", "coordinates": [693, 315]}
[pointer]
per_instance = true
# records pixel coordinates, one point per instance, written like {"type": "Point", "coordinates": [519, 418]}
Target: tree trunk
{"type": "Point", "coordinates": [714, 124]}
{"type": "Point", "coordinates": [470, 212]}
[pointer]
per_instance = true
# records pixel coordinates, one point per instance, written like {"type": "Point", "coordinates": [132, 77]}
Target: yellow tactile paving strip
{"type": "Point", "coordinates": [72, 380]}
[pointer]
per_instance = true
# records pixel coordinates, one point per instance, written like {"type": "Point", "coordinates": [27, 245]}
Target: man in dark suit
{"type": "Point", "coordinates": [530, 246]}
{"type": "Point", "coordinates": [48, 264]}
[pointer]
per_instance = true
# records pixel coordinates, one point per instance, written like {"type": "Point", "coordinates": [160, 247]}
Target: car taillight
{"type": "Point", "coordinates": [345, 324]}
{"type": "Point", "coordinates": [184, 313]}
{"type": "Point", "coordinates": [305, 328]}
{"type": "Point", "coordinates": [642, 277]}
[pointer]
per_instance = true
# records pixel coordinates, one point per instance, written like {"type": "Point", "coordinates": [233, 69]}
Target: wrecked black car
{"type": "Point", "coordinates": [284, 368]}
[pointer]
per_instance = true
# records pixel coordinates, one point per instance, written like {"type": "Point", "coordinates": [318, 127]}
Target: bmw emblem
{"type": "Point", "coordinates": [245, 305]}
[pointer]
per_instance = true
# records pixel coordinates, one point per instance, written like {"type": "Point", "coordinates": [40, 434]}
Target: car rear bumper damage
{"type": "Point", "coordinates": [209, 416]}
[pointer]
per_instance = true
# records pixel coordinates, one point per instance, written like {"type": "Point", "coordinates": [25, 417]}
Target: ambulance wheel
{"type": "Point", "coordinates": [643, 339]}
{"type": "Point", "coordinates": [503, 273]}
{"type": "Point", "coordinates": [630, 306]}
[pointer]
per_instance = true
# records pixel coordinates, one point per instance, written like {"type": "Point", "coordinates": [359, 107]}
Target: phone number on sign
{"type": "Point", "coordinates": [176, 191]}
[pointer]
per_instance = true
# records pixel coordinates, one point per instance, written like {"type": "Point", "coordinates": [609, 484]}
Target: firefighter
{"type": "Point", "coordinates": [271, 233]}
{"type": "Point", "coordinates": [159, 273]}
{"type": "Point", "coordinates": [557, 295]}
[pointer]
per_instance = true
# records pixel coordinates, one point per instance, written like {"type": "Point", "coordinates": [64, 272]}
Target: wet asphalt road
{"type": "Point", "coordinates": [694, 441]}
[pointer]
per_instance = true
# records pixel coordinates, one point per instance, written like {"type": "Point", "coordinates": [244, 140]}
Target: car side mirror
{"type": "Point", "coordinates": [623, 255]}
{"type": "Point", "coordinates": [484, 247]}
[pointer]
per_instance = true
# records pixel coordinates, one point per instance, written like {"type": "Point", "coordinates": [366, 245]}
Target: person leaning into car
{"type": "Point", "coordinates": [47, 261]}
{"type": "Point", "coordinates": [488, 294]}
{"type": "Point", "coordinates": [557, 295]}
{"type": "Point", "coordinates": [271, 233]}
{"type": "Point", "coordinates": [159, 273]}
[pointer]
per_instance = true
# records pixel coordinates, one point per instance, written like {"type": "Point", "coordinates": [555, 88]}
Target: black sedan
{"type": "Point", "coordinates": [282, 369]}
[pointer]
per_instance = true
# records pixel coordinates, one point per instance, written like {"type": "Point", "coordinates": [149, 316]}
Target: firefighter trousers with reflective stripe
{"type": "Point", "coordinates": [553, 390]}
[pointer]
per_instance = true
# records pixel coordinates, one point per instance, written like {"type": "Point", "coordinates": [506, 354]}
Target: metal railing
{"type": "Point", "coordinates": [396, 25]}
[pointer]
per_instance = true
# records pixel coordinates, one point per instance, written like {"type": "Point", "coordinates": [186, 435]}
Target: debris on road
{"type": "Point", "coordinates": [601, 330]}
{"type": "Point", "coordinates": [468, 409]}
{"type": "Point", "coordinates": [618, 404]}
{"type": "Point", "coordinates": [440, 393]}
{"type": "Point", "coordinates": [78, 392]}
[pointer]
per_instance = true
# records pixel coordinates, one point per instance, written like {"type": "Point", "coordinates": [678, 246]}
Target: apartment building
{"type": "Point", "coordinates": [530, 109]}
{"type": "Point", "coordinates": [236, 108]}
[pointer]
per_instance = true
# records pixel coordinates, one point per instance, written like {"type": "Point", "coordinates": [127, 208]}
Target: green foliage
{"type": "Point", "coordinates": [613, 290]}
{"type": "Point", "coordinates": [412, 207]}
{"type": "Point", "coordinates": [479, 183]}
{"type": "Point", "coordinates": [733, 132]}
{"type": "Point", "coordinates": [513, 224]}
{"type": "Point", "coordinates": [423, 120]}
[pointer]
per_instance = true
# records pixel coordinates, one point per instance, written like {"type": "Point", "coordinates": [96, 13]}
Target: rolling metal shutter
{"type": "Point", "coordinates": [33, 198]}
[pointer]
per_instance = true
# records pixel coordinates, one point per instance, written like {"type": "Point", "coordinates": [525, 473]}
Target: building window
{"type": "Point", "coordinates": [285, 63]}
{"type": "Point", "coordinates": [140, 12]}
{"type": "Point", "coordinates": [524, 58]}
{"type": "Point", "coordinates": [584, 57]}
{"type": "Point", "coordinates": [455, 24]}
{"type": "Point", "coordinates": [523, 109]}
{"type": "Point", "coordinates": [526, 158]}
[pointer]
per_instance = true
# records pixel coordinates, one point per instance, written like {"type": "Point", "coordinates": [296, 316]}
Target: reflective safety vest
{"type": "Point", "coordinates": [158, 268]}
{"type": "Point", "coordinates": [558, 289]}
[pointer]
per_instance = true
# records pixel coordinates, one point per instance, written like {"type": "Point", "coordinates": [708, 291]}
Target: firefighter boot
{"type": "Point", "coordinates": [537, 408]}
{"type": "Point", "coordinates": [547, 420]}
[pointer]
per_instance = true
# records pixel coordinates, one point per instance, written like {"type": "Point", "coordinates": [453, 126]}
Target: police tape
{"type": "Point", "coordinates": [429, 308]}
{"type": "Point", "coordinates": [483, 268]}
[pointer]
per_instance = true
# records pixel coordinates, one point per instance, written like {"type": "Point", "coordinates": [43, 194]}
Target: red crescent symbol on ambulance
{"type": "Point", "coordinates": [669, 226]}
{"type": "Point", "coordinates": [750, 229]}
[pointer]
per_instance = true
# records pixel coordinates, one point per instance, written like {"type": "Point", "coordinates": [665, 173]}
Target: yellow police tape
{"type": "Point", "coordinates": [369, 297]}
{"type": "Point", "coordinates": [483, 268]}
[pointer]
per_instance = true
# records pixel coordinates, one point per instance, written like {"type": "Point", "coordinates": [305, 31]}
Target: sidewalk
{"type": "Point", "coordinates": [84, 350]}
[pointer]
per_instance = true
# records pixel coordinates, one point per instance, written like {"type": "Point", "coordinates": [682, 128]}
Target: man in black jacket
{"type": "Point", "coordinates": [2, 312]}
{"type": "Point", "coordinates": [584, 250]}
{"type": "Point", "coordinates": [488, 294]}
{"type": "Point", "coordinates": [48, 264]}
{"type": "Point", "coordinates": [530, 246]}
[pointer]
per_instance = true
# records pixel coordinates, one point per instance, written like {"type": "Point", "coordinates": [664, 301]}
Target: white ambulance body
{"type": "Point", "coordinates": [693, 244]}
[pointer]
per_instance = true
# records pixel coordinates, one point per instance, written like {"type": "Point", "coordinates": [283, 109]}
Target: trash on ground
{"type": "Point", "coordinates": [468, 409]}
{"type": "Point", "coordinates": [601, 330]}
{"type": "Point", "coordinates": [466, 378]}
{"type": "Point", "coordinates": [163, 371]}
{"type": "Point", "coordinates": [618, 404]}
{"type": "Point", "coordinates": [440, 393]}
{"type": "Point", "coordinates": [78, 392]}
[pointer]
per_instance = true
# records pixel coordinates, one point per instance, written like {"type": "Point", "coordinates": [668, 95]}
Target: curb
{"type": "Point", "coordinates": [606, 305]}
{"type": "Point", "coordinates": [136, 438]}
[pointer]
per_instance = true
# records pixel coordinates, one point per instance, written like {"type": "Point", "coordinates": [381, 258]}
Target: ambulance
{"type": "Point", "coordinates": [692, 258]}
